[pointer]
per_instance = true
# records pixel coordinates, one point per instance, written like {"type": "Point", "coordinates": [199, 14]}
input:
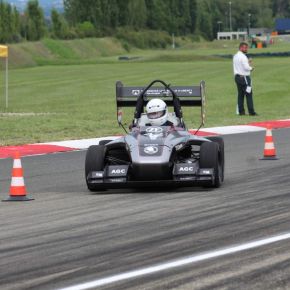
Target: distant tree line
{"type": "Point", "coordinates": [15, 27]}
{"type": "Point", "coordinates": [97, 18]}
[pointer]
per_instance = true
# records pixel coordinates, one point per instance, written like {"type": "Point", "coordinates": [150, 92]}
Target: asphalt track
{"type": "Point", "coordinates": [174, 239]}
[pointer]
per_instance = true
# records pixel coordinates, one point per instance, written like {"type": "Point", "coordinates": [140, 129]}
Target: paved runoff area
{"type": "Point", "coordinates": [72, 145]}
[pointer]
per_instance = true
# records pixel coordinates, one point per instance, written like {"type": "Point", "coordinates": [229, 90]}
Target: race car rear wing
{"type": "Point", "coordinates": [188, 96]}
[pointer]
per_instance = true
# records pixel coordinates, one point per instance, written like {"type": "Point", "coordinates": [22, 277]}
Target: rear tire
{"type": "Point", "coordinates": [209, 158]}
{"type": "Point", "coordinates": [95, 159]}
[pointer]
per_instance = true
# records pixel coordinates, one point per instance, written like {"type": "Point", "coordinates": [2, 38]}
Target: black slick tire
{"type": "Point", "coordinates": [220, 142]}
{"type": "Point", "coordinates": [209, 158]}
{"type": "Point", "coordinates": [95, 159]}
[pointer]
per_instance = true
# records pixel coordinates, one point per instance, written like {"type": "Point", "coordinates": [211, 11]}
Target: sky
{"type": "Point", "coordinates": [45, 4]}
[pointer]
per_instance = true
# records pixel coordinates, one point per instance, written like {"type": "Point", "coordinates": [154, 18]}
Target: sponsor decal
{"type": "Point", "coordinates": [136, 92]}
{"type": "Point", "coordinates": [154, 92]}
{"type": "Point", "coordinates": [151, 144]}
{"type": "Point", "coordinates": [205, 171]}
{"type": "Point", "coordinates": [184, 91]}
{"type": "Point", "coordinates": [186, 169]}
{"type": "Point", "coordinates": [118, 171]}
{"type": "Point", "coordinates": [97, 174]}
{"type": "Point", "coordinates": [186, 178]}
{"type": "Point", "coordinates": [112, 180]}
{"type": "Point", "coordinates": [151, 150]}
{"type": "Point", "coordinates": [179, 146]}
{"type": "Point", "coordinates": [154, 133]}
{"type": "Point", "coordinates": [153, 130]}
{"type": "Point", "coordinates": [166, 93]}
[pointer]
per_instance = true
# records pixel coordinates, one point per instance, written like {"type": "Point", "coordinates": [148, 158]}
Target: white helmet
{"type": "Point", "coordinates": [157, 112]}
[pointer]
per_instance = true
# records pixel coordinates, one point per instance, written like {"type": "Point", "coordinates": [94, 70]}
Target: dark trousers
{"type": "Point", "coordinates": [242, 85]}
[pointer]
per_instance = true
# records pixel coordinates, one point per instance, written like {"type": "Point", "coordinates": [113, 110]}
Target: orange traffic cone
{"type": "Point", "coordinates": [17, 188]}
{"type": "Point", "coordinates": [269, 149]}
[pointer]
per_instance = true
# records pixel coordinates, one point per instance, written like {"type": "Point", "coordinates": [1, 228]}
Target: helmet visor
{"type": "Point", "coordinates": [156, 115]}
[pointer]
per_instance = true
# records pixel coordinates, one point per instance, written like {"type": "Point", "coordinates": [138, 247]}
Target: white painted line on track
{"type": "Point", "coordinates": [226, 130]}
{"type": "Point", "coordinates": [178, 263]}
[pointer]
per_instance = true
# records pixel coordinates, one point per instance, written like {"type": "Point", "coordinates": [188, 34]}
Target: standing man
{"type": "Point", "coordinates": [242, 70]}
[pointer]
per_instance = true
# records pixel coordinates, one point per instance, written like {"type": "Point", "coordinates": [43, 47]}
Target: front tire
{"type": "Point", "coordinates": [95, 159]}
{"type": "Point", "coordinates": [209, 157]}
{"type": "Point", "coordinates": [220, 142]}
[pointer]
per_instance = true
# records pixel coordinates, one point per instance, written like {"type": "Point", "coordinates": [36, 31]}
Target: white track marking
{"type": "Point", "coordinates": [80, 144]}
{"type": "Point", "coordinates": [179, 263]}
{"type": "Point", "coordinates": [225, 130]}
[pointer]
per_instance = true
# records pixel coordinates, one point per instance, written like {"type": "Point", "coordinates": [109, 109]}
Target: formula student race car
{"type": "Point", "coordinates": [160, 155]}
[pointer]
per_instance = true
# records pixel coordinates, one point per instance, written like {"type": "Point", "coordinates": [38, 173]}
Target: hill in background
{"type": "Point", "coordinates": [59, 52]}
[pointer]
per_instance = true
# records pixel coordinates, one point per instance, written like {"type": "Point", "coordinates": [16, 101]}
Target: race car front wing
{"type": "Point", "coordinates": [183, 174]}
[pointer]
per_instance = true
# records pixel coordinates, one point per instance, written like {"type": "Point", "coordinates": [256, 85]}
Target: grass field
{"type": "Point", "coordinates": [59, 102]}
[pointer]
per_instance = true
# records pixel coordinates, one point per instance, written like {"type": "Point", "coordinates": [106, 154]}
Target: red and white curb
{"type": "Point", "coordinates": [72, 145]}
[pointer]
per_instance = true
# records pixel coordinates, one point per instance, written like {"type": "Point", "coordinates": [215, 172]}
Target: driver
{"type": "Point", "coordinates": [157, 113]}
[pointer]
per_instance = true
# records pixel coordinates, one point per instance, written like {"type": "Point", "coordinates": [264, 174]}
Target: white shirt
{"type": "Point", "coordinates": [241, 64]}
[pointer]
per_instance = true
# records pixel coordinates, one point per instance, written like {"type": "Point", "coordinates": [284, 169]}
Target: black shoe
{"type": "Point", "coordinates": [254, 114]}
{"type": "Point", "coordinates": [242, 114]}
